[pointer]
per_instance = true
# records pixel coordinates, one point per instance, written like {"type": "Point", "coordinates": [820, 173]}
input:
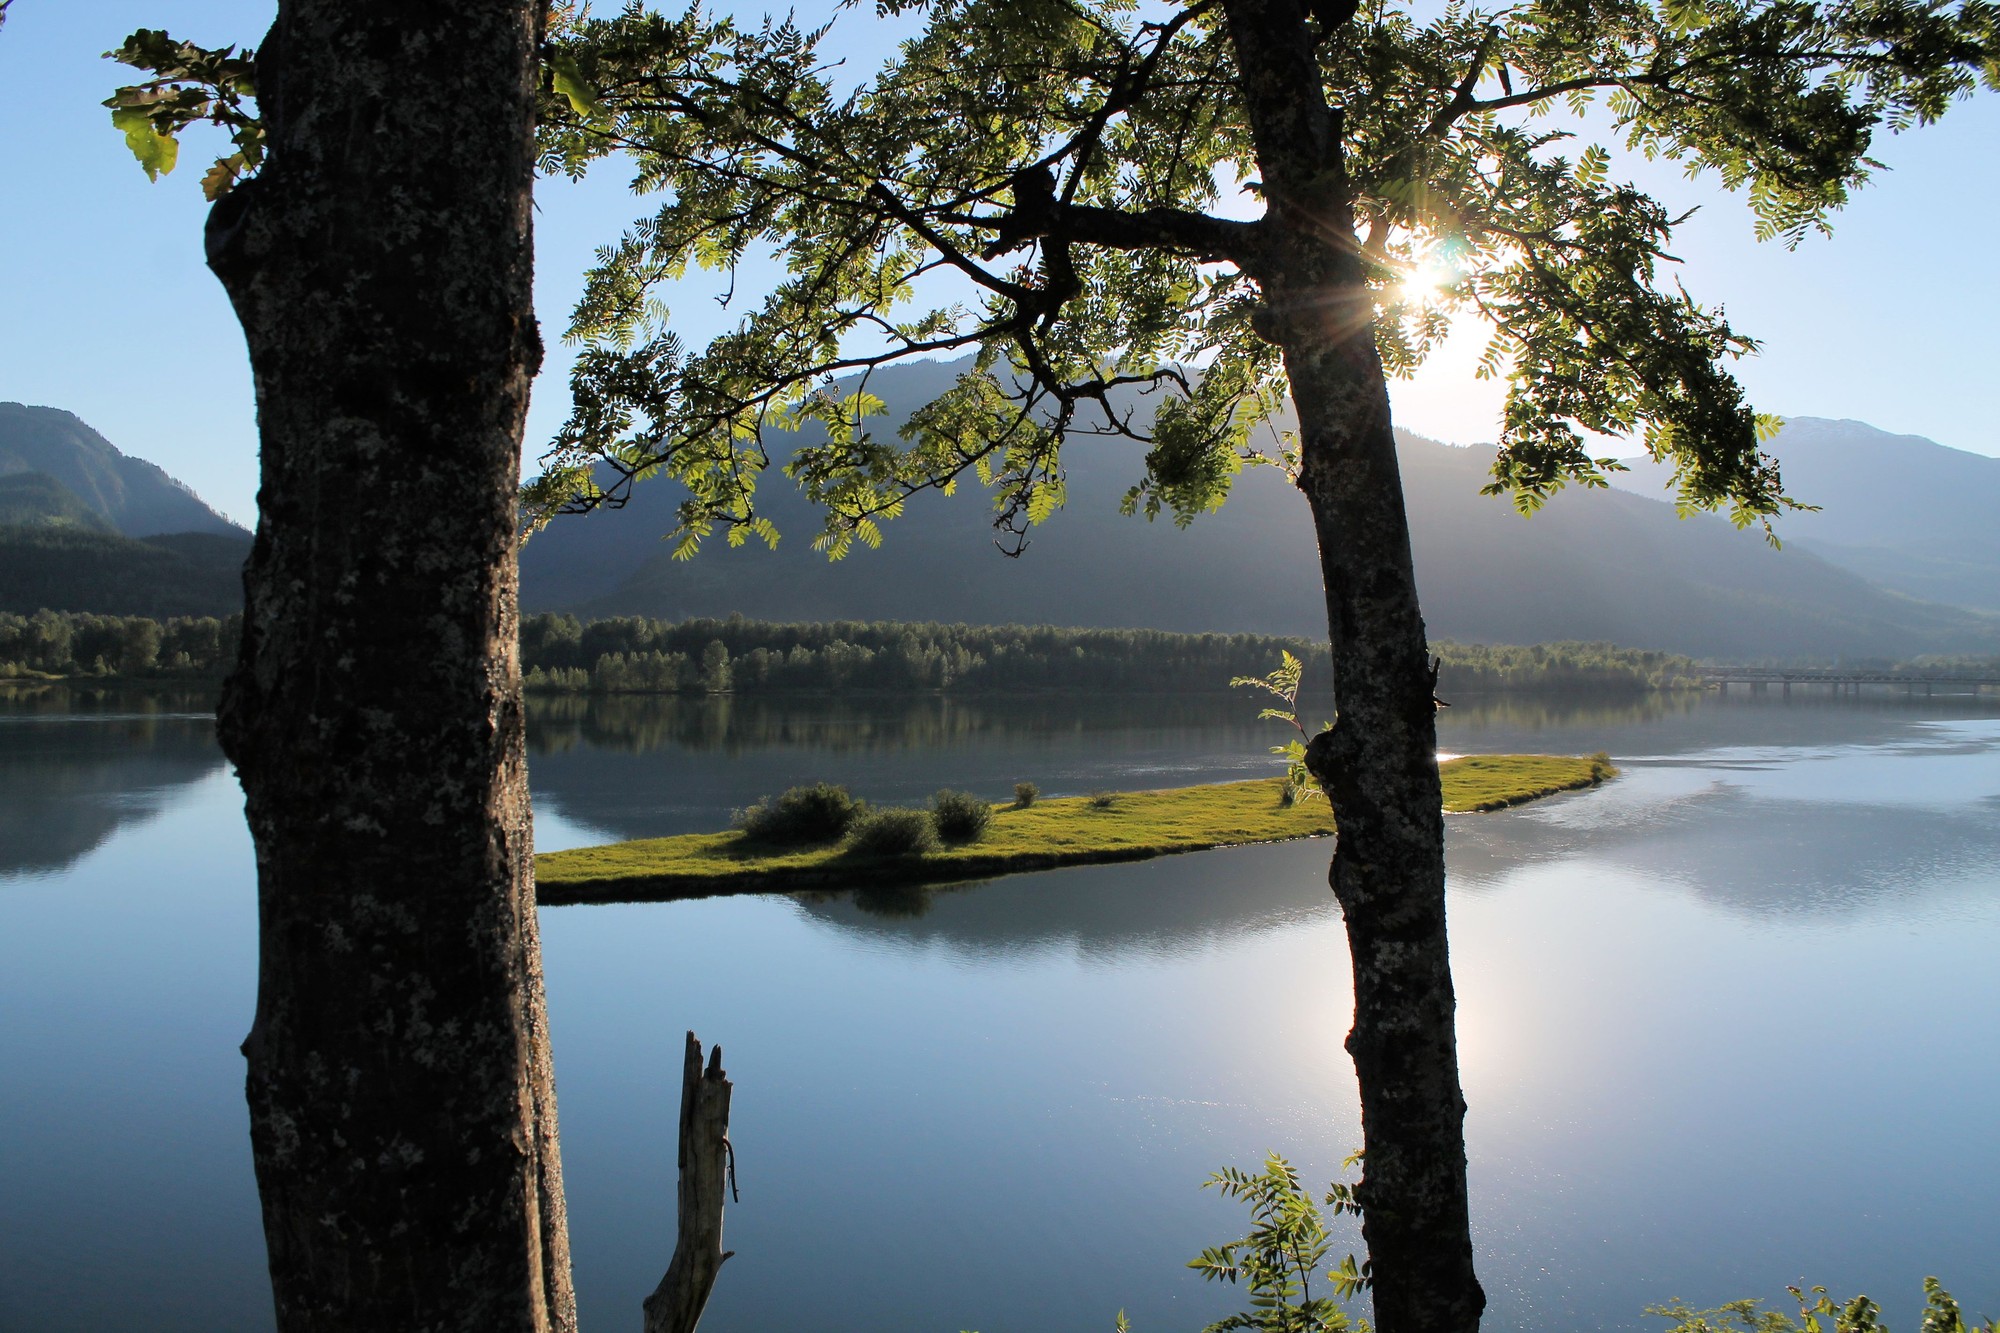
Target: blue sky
{"type": "Point", "coordinates": [106, 309]}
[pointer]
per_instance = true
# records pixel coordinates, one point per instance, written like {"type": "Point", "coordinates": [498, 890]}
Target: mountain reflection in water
{"type": "Point", "coordinates": [79, 764]}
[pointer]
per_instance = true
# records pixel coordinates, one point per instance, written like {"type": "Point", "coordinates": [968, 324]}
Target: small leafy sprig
{"type": "Point", "coordinates": [1286, 1248]}
{"type": "Point", "coordinates": [190, 84]}
{"type": "Point", "coordinates": [1284, 683]}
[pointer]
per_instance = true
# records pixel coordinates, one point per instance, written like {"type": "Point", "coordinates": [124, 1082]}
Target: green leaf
{"type": "Point", "coordinates": [155, 151]}
{"type": "Point", "coordinates": [581, 94]}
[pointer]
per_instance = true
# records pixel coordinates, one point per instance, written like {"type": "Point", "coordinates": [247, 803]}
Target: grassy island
{"type": "Point", "coordinates": [1077, 830]}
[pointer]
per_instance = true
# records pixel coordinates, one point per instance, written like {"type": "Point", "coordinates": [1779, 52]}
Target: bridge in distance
{"type": "Point", "coordinates": [1842, 680]}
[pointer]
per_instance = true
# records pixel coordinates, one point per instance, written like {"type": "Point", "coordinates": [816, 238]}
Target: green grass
{"type": "Point", "coordinates": [1478, 783]}
{"type": "Point", "coordinates": [1067, 831]}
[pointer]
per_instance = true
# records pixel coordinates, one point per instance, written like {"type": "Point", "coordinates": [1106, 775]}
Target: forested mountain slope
{"type": "Point", "coordinates": [84, 527]}
{"type": "Point", "coordinates": [37, 500]}
{"type": "Point", "coordinates": [133, 496]}
{"type": "Point", "coordinates": [71, 568]}
{"type": "Point", "coordinates": [1901, 517]}
{"type": "Point", "coordinates": [1590, 566]}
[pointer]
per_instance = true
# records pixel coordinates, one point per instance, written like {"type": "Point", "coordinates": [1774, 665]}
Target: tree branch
{"type": "Point", "coordinates": [1196, 234]}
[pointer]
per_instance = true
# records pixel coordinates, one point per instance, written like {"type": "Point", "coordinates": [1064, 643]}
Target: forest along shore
{"type": "Point", "coordinates": [633, 655]}
{"type": "Point", "coordinates": [1026, 836]}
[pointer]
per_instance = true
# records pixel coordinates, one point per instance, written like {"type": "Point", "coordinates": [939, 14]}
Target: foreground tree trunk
{"type": "Point", "coordinates": [401, 1098]}
{"type": "Point", "coordinates": [1379, 763]}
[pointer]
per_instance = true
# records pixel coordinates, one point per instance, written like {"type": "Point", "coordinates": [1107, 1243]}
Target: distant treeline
{"type": "Point", "coordinates": [75, 643]}
{"type": "Point", "coordinates": [1476, 667]}
{"type": "Point", "coordinates": [641, 656]}
{"type": "Point", "coordinates": [1964, 664]}
{"type": "Point", "coordinates": [632, 655]}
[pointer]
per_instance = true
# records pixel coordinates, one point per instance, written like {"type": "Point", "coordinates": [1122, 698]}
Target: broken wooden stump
{"type": "Point", "coordinates": [705, 1160]}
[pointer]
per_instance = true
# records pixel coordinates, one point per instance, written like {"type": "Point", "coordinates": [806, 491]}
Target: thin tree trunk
{"type": "Point", "coordinates": [401, 1098]}
{"type": "Point", "coordinates": [1379, 767]}
{"type": "Point", "coordinates": [1379, 763]}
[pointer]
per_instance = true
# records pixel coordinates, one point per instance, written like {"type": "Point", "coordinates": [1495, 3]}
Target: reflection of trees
{"type": "Point", "coordinates": [738, 724]}
{"type": "Point", "coordinates": [112, 699]}
{"type": "Point", "coordinates": [1576, 711]}
{"type": "Point", "coordinates": [646, 765]}
{"type": "Point", "coordinates": [734, 725]}
{"type": "Point", "coordinates": [77, 765]}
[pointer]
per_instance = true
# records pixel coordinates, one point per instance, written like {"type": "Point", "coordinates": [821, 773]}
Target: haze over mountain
{"type": "Point", "coordinates": [1606, 565]}
{"type": "Point", "coordinates": [1903, 511]}
{"type": "Point", "coordinates": [1902, 516]}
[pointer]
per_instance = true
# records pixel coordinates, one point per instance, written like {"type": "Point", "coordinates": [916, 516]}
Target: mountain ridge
{"type": "Point", "coordinates": [133, 496]}
{"type": "Point", "coordinates": [1903, 511]}
{"type": "Point", "coordinates": [87, 527]}
{"type": "Point", "coordinates": [1606, 565]}
{"type": "Point", "coordinates": [1602, 565]}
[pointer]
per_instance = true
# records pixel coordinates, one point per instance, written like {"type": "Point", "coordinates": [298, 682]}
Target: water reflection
{"type": "Point", "coordinates": [640, 766]}
{"type": "Point", "coordinates": [1906, 813]}
{"type": "Point", "coordinates": [632, 766]}
{"type": "Point", "coordinates": [1164, 908]}
{"type": "Point", "coordinates": [1885, 802]}
{"type": "Point", "coordinates": [79, 764]}
{"type": "Point", "coordinates": [1691, 1002]}
{"type": "Point", "coordinates": [733, 725]}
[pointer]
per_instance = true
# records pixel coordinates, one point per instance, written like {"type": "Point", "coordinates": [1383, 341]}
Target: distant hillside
{"type": "Point", "coordinates": [84, 527]}
{"type": "Point", "coordinates": [35, 499]}
{"type": "Point", "coordinates": [132, 496]}
{"type": "Point", "coordinates": [1591, 566]}
{"type": "Point", "coordinates": [70, 568]}
{"type": "Point", "coordinates": [1903, 511]}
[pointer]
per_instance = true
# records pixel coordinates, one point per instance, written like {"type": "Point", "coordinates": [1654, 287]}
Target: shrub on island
{"type": "Point", "coordinates": [894, 832]}
{"type": "Point", "coordinates": [821, 812]}
{"type": "Point", "coordinates": [960, 816]}
{"type": "Point", "coordinates": [1025, 794]}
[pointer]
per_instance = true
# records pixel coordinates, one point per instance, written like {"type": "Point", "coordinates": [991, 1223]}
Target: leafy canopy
{"type": "Point", "coordinates": [1053, 187]}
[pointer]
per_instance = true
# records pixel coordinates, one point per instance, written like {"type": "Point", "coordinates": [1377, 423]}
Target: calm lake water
{"type": "Point", "coordinates": [1727, 1023]}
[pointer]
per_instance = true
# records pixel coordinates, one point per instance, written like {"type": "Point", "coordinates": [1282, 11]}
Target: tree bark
{"type": "Point", "coordinates": [1379, 762]}
{"type": "Point", "coordinates": [401, 1097]}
